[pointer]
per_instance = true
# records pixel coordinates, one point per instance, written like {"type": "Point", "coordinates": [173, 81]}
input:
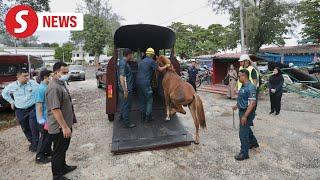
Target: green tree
{"type": "Point", "coordinates": [193, 40]}
{"type": "Point", "coordinates": [95, 35]}
{"type": "Point", "coordinates": [54, 45]}
{"type": "Point", "coordinates": [309, 15]}
{"type": "Point", "coordinates": [99, 26]}
{"type": "Point", "coordinates": [64, 52]}
{"type": "Point", "coordinates": [37, 5]}
{"type": "Point", "coordinates": [266, 21]}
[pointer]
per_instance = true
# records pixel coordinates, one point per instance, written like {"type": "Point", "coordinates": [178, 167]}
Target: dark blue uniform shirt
{"type": "Point", "coordinates": [125, 70]}
{"type": "Point", "coordinates": [192, 71]}
{"type": "Point", "coordinates": [146, 68]}
{"type": "Point", "coordinates": [247, 92]}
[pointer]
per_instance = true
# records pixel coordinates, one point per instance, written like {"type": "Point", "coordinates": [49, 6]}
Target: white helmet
{"type": "Point", "coordinates": [244, 57]}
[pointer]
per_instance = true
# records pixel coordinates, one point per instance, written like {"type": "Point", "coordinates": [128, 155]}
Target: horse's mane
{"type": "Point", "coordinates": [164, 60]}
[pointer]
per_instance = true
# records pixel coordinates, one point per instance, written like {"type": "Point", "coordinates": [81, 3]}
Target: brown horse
{"type": "Point", "coordinates": [179, 93]}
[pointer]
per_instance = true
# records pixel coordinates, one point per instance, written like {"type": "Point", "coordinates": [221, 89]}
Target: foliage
{"type": "Point", "coordinates": [309, 14]}
{"type": "Point", "coordinates": [266, 21]}
{"type": "Point", "coordinates": [95, 35]}
{"type": "Point", "coordinates": [64, 52]}
{"type": "Point", "coordinates": [99, 26]}
{"type": "Point", "coordinates": [37, 5]}
{"type": "Point", "coordinates": [193, 40]}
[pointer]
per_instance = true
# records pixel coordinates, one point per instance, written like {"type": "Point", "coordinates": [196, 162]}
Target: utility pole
{"type": "Point", "coordinates": [62, 55]}
{"type": "Point", "coordinates": [243, 46]}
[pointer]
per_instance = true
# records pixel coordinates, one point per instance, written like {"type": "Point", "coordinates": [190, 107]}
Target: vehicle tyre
{"type": "Point", "coordinates": [84, 78]}
{"type": "Point", "coordinates": [111, 117]}
{"type": "Point", "coordinates": [99, 85]}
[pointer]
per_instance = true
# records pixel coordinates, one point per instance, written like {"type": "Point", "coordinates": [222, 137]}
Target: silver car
{"type": "Point", "coordinates": [77, 72]}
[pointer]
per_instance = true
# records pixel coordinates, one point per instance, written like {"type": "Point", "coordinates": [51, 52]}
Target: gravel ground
{"type": "Point", "coordinates": [290, 144]}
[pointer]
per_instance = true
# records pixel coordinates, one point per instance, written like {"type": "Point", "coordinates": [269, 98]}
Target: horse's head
{"type": "Point", "coordinates": [163, 60]}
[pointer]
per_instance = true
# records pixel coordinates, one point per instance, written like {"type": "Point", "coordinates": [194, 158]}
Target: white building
{"type": "Point", "coordinates": [80, 56]}
{"type": "Point", "coordinates": [47, 54]}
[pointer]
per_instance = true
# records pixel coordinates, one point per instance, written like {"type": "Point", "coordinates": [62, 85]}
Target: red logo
{"type": "Point", "coordinates": [21, 21]}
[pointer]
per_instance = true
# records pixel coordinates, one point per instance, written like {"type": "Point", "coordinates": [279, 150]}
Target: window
{"type": "Point", "coordinates": [78, 55]}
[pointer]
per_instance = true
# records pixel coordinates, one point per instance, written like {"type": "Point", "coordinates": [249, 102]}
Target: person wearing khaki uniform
{"type": "Point", "coordinates": [60, 120]}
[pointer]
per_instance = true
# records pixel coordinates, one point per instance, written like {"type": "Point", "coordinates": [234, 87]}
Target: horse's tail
{"type": "Point", "coordinates": [200, 112]}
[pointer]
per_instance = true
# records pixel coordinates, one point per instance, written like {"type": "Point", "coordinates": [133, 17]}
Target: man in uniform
{"type": "Point", "coordinates": [125, 86]}
{"type": "Point", "coordinates": [193, 71]}
{"type": "Point", "coordinates": [146, 68]}
{"type": "Point", "coordinates": [24, 92]}
{"type": "Point", "coordinates": [246, 104]}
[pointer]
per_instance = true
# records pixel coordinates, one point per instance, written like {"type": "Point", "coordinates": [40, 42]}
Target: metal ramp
{"type": "Point", "coordinates": [154, 135]}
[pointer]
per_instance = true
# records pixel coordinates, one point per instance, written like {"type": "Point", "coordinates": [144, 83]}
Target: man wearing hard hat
{"type": "Point", "coordinates": [246, 63]}
{"type": "Point", "coordinates": [146, 68]}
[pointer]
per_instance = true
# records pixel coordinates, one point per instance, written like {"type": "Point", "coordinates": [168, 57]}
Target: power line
{"type": "Point", "coordinates": [188, 13]}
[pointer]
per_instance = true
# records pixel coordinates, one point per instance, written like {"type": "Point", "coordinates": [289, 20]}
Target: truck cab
{"type": "Point", "coordinates": [138, 38]}
{"type": "Point", "coordinates": [9, 65]}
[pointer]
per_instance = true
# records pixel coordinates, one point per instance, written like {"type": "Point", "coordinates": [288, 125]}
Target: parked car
{"type": "Point", "coordinates": [77, 72]}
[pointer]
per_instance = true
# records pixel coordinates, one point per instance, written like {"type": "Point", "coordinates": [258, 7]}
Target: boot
{"type": "Point", "coordinates": [149, 118]}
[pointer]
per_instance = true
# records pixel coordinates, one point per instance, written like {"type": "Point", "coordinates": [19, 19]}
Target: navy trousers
{"type": "Point", "coordinates": [146, 99]}
{"type": "Point", "coordinates": [245, 133]}
{"type": "Point", "coordinates": [125, 107]}
{"type": "Point", "coordinates": [28, 123]}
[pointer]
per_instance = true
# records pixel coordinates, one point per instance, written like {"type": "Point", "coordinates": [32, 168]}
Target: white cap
{"type": "Point", "coordinates": [244, 57]}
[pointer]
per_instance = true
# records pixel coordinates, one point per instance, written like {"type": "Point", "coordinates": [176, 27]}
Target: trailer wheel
{"type": "Point", "coordinates": [111, 117]}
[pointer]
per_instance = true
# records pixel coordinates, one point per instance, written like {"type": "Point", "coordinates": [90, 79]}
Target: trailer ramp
{"type": "Point", "coordinates": [157, 134]}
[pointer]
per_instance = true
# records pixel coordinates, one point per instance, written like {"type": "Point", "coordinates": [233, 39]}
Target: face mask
{"type": "Point", "coordinates": [64, 77]}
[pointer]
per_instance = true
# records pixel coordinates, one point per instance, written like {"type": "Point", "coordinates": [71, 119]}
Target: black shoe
{"type": "Point", "coordinates": [130, 125]}
{"type": "Point", "coordinates": [241, 157]}
{"type": "Point", "coordinates": [271, 112]}
{"type": "Point", "coordinates": [277, 113]}
{"type": "Point", "coordinates": [67, 169]}
{"type": "Point", "coordinates": [254, 146]}
{"type": "Point", "coordinates": [149, 118]}
{"type": "Point", "coordinates": [42, 160]}
{"type": "Point", "coordinates": [48, 154]}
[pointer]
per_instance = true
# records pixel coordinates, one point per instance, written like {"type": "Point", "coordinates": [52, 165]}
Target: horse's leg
{"type": "Point", "coordinates": [167, 101]}
{"type": "Point", "coordinates": [192, 108]}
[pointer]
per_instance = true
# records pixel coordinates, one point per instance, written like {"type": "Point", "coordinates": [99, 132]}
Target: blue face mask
{"type": "Point", "coordinates": [64, 78]}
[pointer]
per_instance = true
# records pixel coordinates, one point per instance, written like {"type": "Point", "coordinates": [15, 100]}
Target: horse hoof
{"type": "Point", "coordinates": [196, 142]}
{"type": "Point", "coordinates": [168, 119]}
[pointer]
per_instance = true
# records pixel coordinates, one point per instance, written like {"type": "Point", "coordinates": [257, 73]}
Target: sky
{"type": "Point", "coordinates": [157, 12]}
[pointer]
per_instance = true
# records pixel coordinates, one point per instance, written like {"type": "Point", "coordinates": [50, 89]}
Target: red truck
{"type": "Point", "coordinates": [9, 64]}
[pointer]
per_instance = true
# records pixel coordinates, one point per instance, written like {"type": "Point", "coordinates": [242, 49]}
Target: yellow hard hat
{"type": "Point", "coordinates": [150, 51]}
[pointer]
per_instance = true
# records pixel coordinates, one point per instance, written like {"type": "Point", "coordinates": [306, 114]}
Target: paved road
{"type": "Point", "coordinates": [290, 144]}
